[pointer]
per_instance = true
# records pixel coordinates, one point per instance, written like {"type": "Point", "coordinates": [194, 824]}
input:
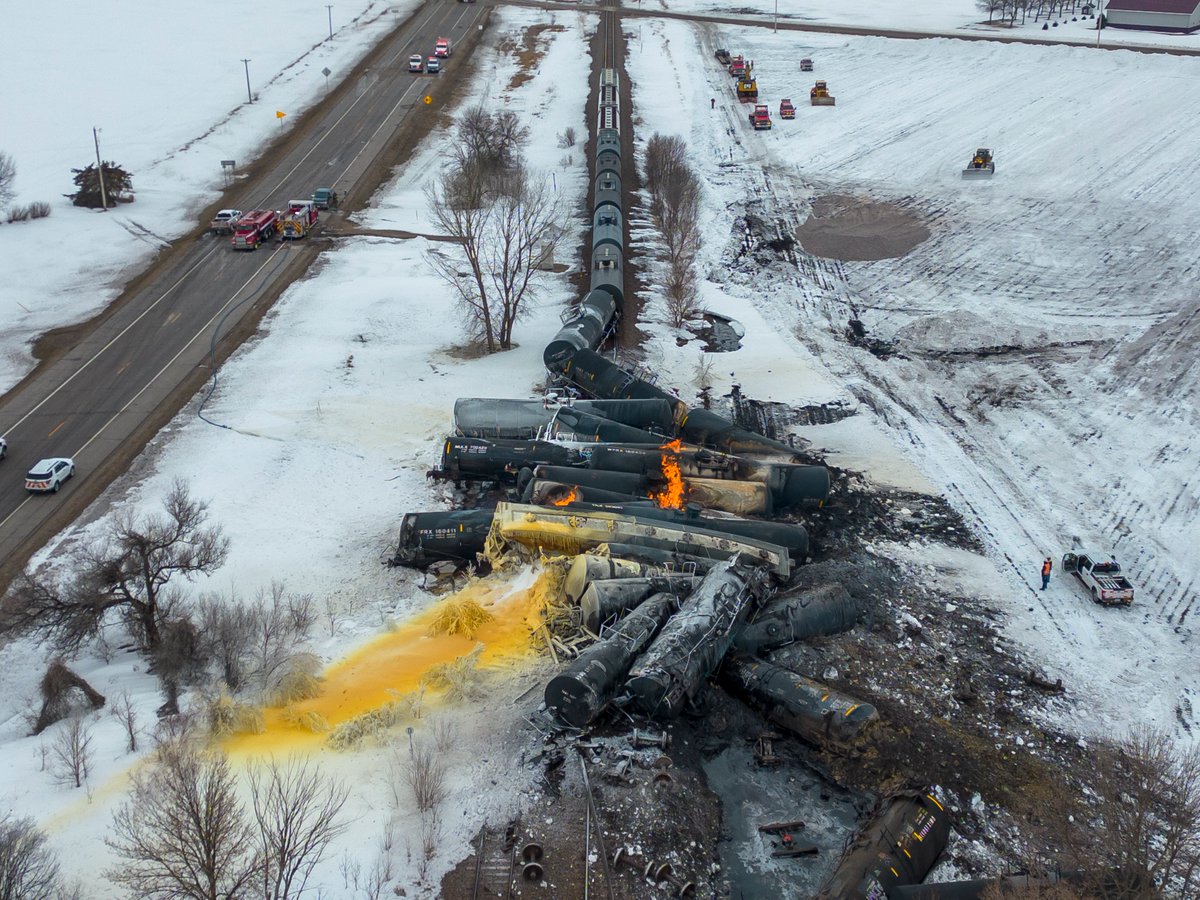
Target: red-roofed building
{"type": "Point", "coordinates": [1154, 15]}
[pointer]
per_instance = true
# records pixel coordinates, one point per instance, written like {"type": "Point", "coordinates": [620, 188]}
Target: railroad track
{"type": "Point", "coordinates": [495, 863]}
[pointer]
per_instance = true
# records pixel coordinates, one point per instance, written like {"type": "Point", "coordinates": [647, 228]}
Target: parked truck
{"type": "Point", "coordinates": [223, 221]}
{"type": "Point", "coordinates": [761, 117]}
{"type": "Point", "coordinates": [298, 220]}
{"type": "Point", "coordinates": [253, 228]}
{"type": "Point", "coordinates": [1108, 586]}
{"type": "Point", "coordinates": [325, 198]}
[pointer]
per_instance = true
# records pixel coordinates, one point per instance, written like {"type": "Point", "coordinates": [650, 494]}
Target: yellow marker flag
{"type": "Point", "coordinates": [428, 99]}
{"type": "Point", "coordinates": [279, 115]}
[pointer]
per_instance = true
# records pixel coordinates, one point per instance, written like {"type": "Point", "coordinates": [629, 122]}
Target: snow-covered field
{"type": "Point", "coordinates": [167, 91]}
{"type": "Point", "coordinates": [327, 467]}
{"type": "Point", "coordinates": [928, 17]}
{"type": "Point", "coordinates": [1044, 378]}
{"type": "Point", "coordinates": [1042, 383]}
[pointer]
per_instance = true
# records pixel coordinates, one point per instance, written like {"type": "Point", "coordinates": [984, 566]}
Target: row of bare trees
{"type": "Point", "coordinates": [675, 196]}
{"type": "Point", "coordinates": [504, 221]}
{"type": "Point", "coordinates": [1008, 10]}
{"type": "Point", "coordinates": [184, 833]}
{"type": "Point", "coordinates": [133, 576]}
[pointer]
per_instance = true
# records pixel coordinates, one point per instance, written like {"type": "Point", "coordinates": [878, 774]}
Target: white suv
{"type": "Point", "coordinates": [48, 475]}
{"type": "Point", "coordinates": [3, 448]}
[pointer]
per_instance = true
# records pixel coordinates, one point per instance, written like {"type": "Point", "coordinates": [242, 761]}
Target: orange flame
{"type": "Point", "coordinates": [566, 498]}
{"type": "Point", "coordinates": [673, 495]}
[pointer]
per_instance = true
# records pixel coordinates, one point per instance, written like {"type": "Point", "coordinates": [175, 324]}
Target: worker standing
{"type": "Point", "coordinates": [713, 102]}
{"type": "Point", "coordinates": [1047, 566]}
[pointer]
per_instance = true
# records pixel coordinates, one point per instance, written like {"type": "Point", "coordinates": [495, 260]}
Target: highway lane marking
{"type": "Point", "coordinates": [122, 367]}
{"type": "Point", "coordinates": [191, 269]}
{"type": "Point", "coordinates": [207, 325]}
{"type": "Point", "coordinates": [163, 296]}
{"type": "Point", "coordinates": [196, 265]}
{"type": "Point", "coordinates": [54, 430]}
{"type": "Point", "coordinates": [391, 112]}
{"type": "Point", "coordinates": [328, 132]}
{"type": "Point", "coordinates": [433, 8]}
{"type": "Point", "coordinates": [172, 318]}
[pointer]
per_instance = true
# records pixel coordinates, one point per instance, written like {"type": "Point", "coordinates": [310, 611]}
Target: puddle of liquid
{"type": "Point", "coordinates": [396, 662]}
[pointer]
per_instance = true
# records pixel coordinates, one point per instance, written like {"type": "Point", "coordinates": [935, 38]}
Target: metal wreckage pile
{"type": "Point", "coordinates": [671, 580]}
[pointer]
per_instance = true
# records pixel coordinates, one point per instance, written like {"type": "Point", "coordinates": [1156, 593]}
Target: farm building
{"type": "Point", "coordinates": [1154, 15]}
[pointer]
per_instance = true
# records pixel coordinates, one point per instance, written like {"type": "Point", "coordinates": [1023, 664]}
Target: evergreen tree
{"type": "Point", "coordinates": [118, 186]}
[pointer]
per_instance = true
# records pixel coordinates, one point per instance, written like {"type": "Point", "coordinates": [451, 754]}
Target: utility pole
{"type": "Point", "coordinates": [100, 169]}
{"type": "Point", "coordinates": [775, 24]}
{"type": "Point", "coordinates": [329, 9]}
{"type": "Point", "coordinates": [249, 96]}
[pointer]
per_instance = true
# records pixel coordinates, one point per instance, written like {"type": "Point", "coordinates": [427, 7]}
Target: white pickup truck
{"type": "Point", "coordinates": [1104, 579]}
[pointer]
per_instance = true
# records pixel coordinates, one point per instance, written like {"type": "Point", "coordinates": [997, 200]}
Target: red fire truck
{"type": "Point", "coordinates": [253, 228]}
{"type": "Point", "coordinates": [298, 220]}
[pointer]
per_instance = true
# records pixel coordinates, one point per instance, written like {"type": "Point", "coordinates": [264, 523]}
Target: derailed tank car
{"type": "Point", "coordinates": [427, 537]}
{"type": "Point", "coordinates": [898, 846]}
{"type": "Point", "coordinates": [817, 713]}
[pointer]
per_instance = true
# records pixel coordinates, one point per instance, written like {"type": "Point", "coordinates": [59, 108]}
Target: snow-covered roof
{"type": "Point", "coordinates": [1179, 7]}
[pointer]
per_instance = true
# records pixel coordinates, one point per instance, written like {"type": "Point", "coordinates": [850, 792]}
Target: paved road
{"type": "Point", "coordinates": [103, 399]}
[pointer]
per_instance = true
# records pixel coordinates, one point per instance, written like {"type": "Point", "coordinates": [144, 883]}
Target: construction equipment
{"type": "Point", "coordinates": [737, 68]}
{"type": "Point", "coordinates": [981, 165]}
{"type": "Point", "coordinates": [761, 118]}
{"type": "Point", "coordinates": [820, 96]}
{"type": "Point", "coordinates": [806, 65]}
{"type": "Point", "coordinates": [747, 88]}
{"type": "Point", "coordinates": [786, 109]}
{"type": "Point", "coordinates": [724, 57]}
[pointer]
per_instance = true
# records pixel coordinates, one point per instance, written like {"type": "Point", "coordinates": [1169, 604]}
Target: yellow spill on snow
{"type": "Point", "coordinates": [395, 663]}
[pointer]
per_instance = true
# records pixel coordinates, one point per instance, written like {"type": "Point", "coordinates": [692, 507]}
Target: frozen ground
{"type": "Point", "coordinates": [928, 17]}
{"type": "Point", "coordinates": [1039, 378]}
{"type": "Point", "coordinates": [167, 91]}
{"type": "Point", "coordinates": [1042, 376]}
{"type": "Point", "coordinates": [310, 484]}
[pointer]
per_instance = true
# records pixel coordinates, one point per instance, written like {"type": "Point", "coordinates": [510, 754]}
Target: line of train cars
{"type": "Point", "coordinates": [600, 310]}
{"type": "Point", "coordinates": [510, 445]}
{"type": "Point", "coordinates": [573, 357]}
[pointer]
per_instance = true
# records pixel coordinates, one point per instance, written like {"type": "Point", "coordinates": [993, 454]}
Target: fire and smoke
{"type": "Point", "coordinates": [674, 494]}
{"type": "Point", "coordinates": [568, 498]}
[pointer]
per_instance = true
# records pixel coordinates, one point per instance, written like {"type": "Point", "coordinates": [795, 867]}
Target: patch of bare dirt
{"type": "Point", "coordinates": [854, 228]}
{"type": "Point", "coordinates": [529, 53]}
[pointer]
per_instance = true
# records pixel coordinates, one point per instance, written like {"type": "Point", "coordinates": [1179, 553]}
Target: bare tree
{"type": "Point", "coordinates": [526, 230]}
{"type": "Point", "coordinates": [130, 571]}
{"type": "Point", "coordinates": [28, 867]}
{"type": "Point", "coordinates": [493, 142]}
{"type": "Point", "coordinates": [179, 659]}
{"type": "Point", "coordinates": [1143, 830]}
{"type": "Point", "coordinates": [122, 710]}
{"type": "Point", "coordinates": [8, 175]}
{"type": "Point", "coordinates": [506, 222]}
{"type": "Point", "coordinates": [675, 199]}
{"type": "Point", "coordinates": [228, 629]}
{"type": "Point", "coordinates": [71, 753]}
{"type": "Point", "coordinates": [183, 833]}
{"type": "Point", "coordinates": [296, 810]}
{"type": "Point", "coordinates": [426, 775]}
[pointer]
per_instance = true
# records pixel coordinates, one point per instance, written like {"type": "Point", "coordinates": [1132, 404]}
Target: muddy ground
{"type": "Point", "coordinates": [856, 228]}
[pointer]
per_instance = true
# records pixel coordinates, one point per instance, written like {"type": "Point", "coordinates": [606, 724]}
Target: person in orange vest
{"type": "Point", "coordinates": [1047, 565]}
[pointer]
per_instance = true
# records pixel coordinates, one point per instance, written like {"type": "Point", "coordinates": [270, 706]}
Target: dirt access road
{"type": "Point", "coordinates": [104, 388]}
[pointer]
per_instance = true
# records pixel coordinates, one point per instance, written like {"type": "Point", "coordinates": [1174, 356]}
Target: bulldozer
{"type": "Point", "coordinates": [981, 165]}
{"type": "Point", "coordinates": [747, 88]}
{"type": "Point", "coordinates": [820, 96]}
